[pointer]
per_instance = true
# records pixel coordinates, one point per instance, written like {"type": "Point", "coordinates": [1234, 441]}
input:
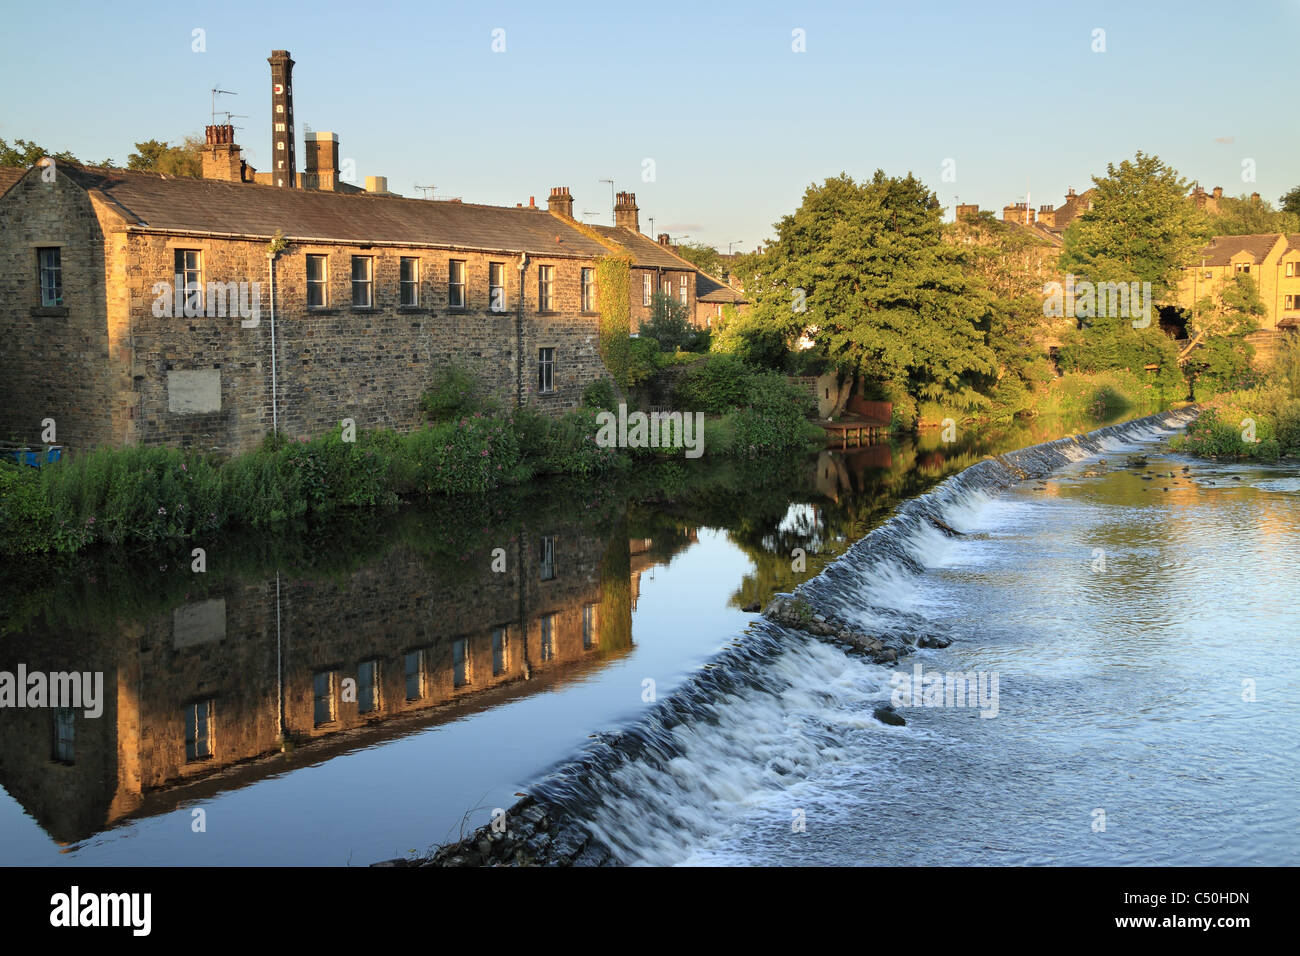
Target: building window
{"type": "Point", "coordinates": [363, 270]}
{"type": "Point", "coordinates": [682, 289]}
{"type": "Point", "coordinates": [546, 557]}
{"type": "Point", "coordinates": [1243, 267]}
{"type": "Point", "coordinates": [65, 750]}
{"type": "Point", "coordinates": [1292, 302]}
{"type": "Point", "coordinates": [645, 288]}
{"type": "Point", "coordinates": [415, 675]}
{"type": "Point", "coordinates": [1208, 275]}
{"type": "Point", "coordinates": [497, 286]}
{"type": "Point", "coordinates": [189, 273]}
{"type": "Point", "coordinates": [500, 651]}
{"type": "Point", "coordinates": [409, 278]}
{"type": "Point", "coordinates": [49, 263]}
{"type": "Point", "coordinates": [198, 730]}
{"type": "Point", "coordinates": [588, 290]}
{"type": "Point", "coordinates": [668, 288]}
{"type": "Point", "coordinates": [588, 626]}
{"type": "Point", "coordinates": [316, 282]}
{"type": "Point", "coordinates": [460, 662]}
{"type": "Point", "coordinates": [368, 687]}
{"type": "Point", "coordinates": [545, 288]}
{"type": "Point", "coordinates": [1290, 269]}
{"type": "Point", "coordinates": [456, 284]}
{"type": "Point", "coordinates": [546, 370]}
{"type": "Point", "coordinates": [323, 690]}
{"type": "Point", "coordinates": [548, 643]}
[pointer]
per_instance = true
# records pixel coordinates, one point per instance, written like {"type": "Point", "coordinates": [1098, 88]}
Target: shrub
{"type": "Point", "coordinates": [642, 360]}
{"type": "Point", "coordinates": [455, 394]}
{"type": "Point", "coordinates": [715, 385]}
{"type": "Point", "coordinates": [600, 395]}
{"type": "Point", "coordinates": [467, 457]}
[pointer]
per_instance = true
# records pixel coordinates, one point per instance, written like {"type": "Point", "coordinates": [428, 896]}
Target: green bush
{"type": "Point", "coordinates": [455, 393]}
{"type": "Point", "coordinates": [643, 361]}
{"type": "Point", "coordinates": [716, 385]}
{"type": "Point", "coordinates": [600, 395]}
{"type": "Point", "coordinates": [467, 457]}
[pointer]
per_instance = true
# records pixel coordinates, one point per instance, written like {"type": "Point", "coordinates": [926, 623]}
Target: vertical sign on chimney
{"type": "Point", "coordinates": [284, 167]}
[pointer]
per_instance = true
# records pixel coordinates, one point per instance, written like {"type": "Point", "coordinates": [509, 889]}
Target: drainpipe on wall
{"type": "Point", "coordinates": [275, 418]}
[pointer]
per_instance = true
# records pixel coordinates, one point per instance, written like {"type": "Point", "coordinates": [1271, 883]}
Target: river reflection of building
{"type": "Point", "coordinates": [205, 697]}
{"type": "Point", "coordinates": [837, 470]}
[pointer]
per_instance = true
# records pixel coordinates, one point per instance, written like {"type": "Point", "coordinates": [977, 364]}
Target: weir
{"type": "Point", "coordinates": [579, 814]}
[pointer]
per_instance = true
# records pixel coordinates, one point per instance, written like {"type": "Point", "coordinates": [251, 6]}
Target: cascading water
{"type": "Point", "coordinates": [772, 754]}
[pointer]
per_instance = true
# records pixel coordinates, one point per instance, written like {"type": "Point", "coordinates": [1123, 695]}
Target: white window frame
{"type": "Point", "coordinates": [412, 284]}
{"type": "Point", "coordinates": [366, 285]}
{"type": "Point", "coordinates": [454, 267]}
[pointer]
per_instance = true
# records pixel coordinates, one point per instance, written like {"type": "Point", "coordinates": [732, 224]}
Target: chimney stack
{"type": "Point", "coordinates": [284, 168]}
{"type": "Point", "coordinates": [1218, 192]}
{"type": "Point", "coordinates": [560, 202]}
{"type": "Point", "coordinates": [665, 239]}
{"type": "Point", "coordinates": [321, 162]}
{"type": "Point", "coordinates": [626, 212]}
{"type": "Point", "coordinates": [220, 155]}
{"type": "Point", "coordinates": [1254, 197]}
{"type": "Point", "coordinates": [377, 185]}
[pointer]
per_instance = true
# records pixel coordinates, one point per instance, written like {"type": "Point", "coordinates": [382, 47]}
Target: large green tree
{"type": "Point", "coordinates": [1141, 228]}
{"type": "Point", "coordinates": [861, 270]}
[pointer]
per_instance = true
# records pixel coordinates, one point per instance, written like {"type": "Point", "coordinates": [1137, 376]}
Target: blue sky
{"type": "Point", "coordinates": [737, 123]}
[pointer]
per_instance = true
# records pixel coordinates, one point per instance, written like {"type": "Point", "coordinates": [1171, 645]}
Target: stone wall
{"type": "Point", "coordinates": [110, 370]}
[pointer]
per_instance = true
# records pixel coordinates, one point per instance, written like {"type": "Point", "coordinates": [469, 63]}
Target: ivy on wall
{"type": "Point", "coordinates": [613, 278]}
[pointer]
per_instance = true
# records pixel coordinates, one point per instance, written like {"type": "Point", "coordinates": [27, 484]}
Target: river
{"type": "Point", "coordinates": [365, 690]}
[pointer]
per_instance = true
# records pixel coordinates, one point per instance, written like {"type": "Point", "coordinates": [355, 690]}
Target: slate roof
{"type": "Point", "coordinates": [1221, 249]}
{"type": "Point", "coordinates": [645, 251]}
{"type": "Point", "coordinates": [709, 289]}
{"type": "Point", "coordinates": [182, 204]}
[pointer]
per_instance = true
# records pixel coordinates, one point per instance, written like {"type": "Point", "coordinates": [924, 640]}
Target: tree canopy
{"type": "Point", "coordinates": [1141, 228]}
{"type": "Point", "coordinates": [861, 269]}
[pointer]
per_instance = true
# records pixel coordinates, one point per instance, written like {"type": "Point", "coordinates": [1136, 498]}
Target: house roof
{"type": "Point", "coordinates": [1221, 249]}
{"type": "Point", "coordinates": [182, 204]}
{"type": "Point", "coordinates": [709, 289]}
{"type": "Point", "coordinates": [8, 176]}
{"type": "Point", "coordinates": [645, 252]}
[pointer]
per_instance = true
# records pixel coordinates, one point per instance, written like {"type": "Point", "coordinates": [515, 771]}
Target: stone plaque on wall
{"type": "Point", "coordinates": [199, 623]}
{"type": "Point", "coordinates": [192, 391]}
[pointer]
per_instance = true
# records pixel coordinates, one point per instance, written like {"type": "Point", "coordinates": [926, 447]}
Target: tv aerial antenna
{"type": "Point", "coordinates": [428, 190]}
{"type": "Point", "coordinates": [215, 93]}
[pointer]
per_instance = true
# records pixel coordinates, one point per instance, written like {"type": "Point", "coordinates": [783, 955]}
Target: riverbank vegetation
{"type": "Point", "coordinates": [468, 448]}
{"type": "Point", "coordinates": [1260, 422]}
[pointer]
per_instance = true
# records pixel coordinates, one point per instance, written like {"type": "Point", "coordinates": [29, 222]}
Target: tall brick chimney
{"type": "Point", "coordinates": [284, 167]}
{"type": "Point", "coordinates": [321, 162]}
{"type": "Point", "coordinates": [560, 202]}
{"type": "Point", "coordinates": [626, 212]}
{"type": "Point", "coordinates": [220, 155]}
